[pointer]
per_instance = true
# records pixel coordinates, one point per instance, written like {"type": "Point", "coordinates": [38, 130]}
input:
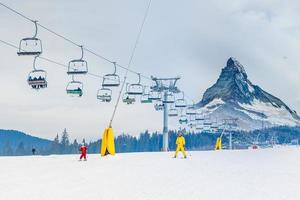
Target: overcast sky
{"type": "Point", "coordinates": [192, 38]}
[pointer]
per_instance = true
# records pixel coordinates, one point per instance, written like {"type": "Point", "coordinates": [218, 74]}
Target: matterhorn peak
{"type": "Point", "coordinates": [233, 95]}
{"type": "Point", "coordinates": [235, 66]}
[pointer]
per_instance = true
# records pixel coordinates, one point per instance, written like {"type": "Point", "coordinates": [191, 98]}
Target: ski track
{"type": "Point", "coordinates": [263, 174]}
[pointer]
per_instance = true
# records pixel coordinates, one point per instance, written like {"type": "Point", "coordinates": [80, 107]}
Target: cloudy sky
{"type": "Point", "coordinates": [191, 38]}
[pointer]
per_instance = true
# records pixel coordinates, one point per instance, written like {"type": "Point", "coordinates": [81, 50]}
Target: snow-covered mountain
{"type": "Point", "coordinates": [234, 96]}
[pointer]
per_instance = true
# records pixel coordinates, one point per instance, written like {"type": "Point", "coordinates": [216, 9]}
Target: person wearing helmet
{"type": "Point", "coordinates": [180, 142]}
{"type": "Point", "coordinates": [83, 150]}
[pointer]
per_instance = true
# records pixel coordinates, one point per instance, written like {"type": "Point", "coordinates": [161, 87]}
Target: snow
{"type": "Point", "coordinates": [277, 116]}
{"type": "Point", "coordinates": [250, 88]}
{"type": "Point", "coordinates": [212, 106]}
{"type": "Point", "coordinates": [263, 174]}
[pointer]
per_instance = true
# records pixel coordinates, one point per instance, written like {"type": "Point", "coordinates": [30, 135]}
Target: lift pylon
{"type": "Point", "coordinates": [165, 86]}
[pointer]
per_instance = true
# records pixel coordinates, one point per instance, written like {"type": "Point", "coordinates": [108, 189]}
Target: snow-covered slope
{"type": "Point", "coordinates": [211, 175]}
{"type": "Point", "coordinates": [234, 96]}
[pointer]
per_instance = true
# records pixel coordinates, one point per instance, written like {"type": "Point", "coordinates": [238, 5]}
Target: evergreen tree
{"type": "Point", "coordinates": [20, 151]}
{"type": "Point", "coordinates": [55, 146]}
{"type": "Point", "coordinates": [7, 150]}
{"type": "Point", "coordinates": [65, 142]}
{"type": "Point", "coordinates": [75, 147]}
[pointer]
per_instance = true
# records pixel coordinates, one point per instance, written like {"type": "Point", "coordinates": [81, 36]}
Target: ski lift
{"type": "Point", "coordinates": [78, 66]}
{"type": "Point", "coordinates": [155, 95]}
{"type": "Point", "coordinates": [199, 127]}
{"type": "Point", "coordinates": [191, 110]}
{"type": "Point", "coordinates": [75, 88]}
{"type": "Point", "coordinates": [199, 117]}
{"type": "Point", "coordinates": [136, 88]}
{"type": "Point", "coordinates": [180, 102]}
{"type": "Point", "coordinates": [207, 122]}
{"type": "Point", "coordinates": [145, 98]}
{"type": "Point", "coordinates": [173, 112]}
{"type": "Point", "coordinates": [128, 99]}
{"type": "Point", "coordinates": [183, 119]}
{"type": "Point", "coordinates": [159, 106]}
{"type": "Point", "coordinates": [37, 77]}
{"type": "Point", "coordinates": [31, 46]}
{"type": "Point", "coordinates": [104, 94]}
{"type": "Point", "coordinates": [168, 98]}
{"type": "Point", "coordinates": [111, 80]}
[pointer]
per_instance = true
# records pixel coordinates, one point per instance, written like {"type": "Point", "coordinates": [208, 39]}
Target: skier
{"type": "Point", "coordinates": [33, 151]}
{"type": "Point", "coordinates": [83, 150]}
{"type": "Point", "coordinates": [180, 142]}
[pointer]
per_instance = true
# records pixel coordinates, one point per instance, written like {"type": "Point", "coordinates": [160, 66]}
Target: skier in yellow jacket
{"type": "Point", "coordinates": [180, 142]}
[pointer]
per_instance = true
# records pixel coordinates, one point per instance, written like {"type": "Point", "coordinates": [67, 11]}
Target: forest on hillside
{"type": "Point", "coordinates": [150, 142]}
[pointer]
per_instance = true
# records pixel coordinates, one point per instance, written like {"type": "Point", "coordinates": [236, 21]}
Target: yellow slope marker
{"type": "Point", "coordinates": [218, 144]}
{"type": "Point", "coordinates": [108, 142]}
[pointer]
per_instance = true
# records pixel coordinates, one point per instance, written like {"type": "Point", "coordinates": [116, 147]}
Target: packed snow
{"type": "Point", "coordinates": [263, 174]}
{"type": "Point", "coordinates": [278, 116]}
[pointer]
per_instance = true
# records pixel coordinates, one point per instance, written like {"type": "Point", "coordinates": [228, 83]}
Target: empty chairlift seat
{"type": "Point", "coordinates": [169, 98]}
{"type": "Point", "coordinates": [78, 66]}
{"type": "Point", "coordinates": [31, 45]}
{"type": "Point", "coordinates": [111, 80]}
{"type": "Point", "coordinates": [180, 102]}
{"type": "Point", "coordinates": [136, 88]}
{"type": "Point", "coordinates": [173, 112]}
{"type": "Point", "coordinates": [155, 96]}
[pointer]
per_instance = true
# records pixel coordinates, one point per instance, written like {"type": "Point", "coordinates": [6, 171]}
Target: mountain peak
{"type": "Point", "coordinates": [240, 96]}
{"type": "Point", "coordinates": [235, 66]}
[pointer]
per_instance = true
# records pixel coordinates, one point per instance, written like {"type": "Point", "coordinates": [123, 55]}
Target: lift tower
{"type": "Point", "coordinates": [167, 87]}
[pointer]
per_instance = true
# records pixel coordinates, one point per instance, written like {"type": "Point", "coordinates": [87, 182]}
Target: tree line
{"type": "Point", "coordinates": [150, 142]}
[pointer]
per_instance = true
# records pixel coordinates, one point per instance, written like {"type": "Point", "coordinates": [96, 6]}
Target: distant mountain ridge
{"type": "Point", "coordinates": [234, 95]}
{"type": "Point", "coordinates": [10, 140]}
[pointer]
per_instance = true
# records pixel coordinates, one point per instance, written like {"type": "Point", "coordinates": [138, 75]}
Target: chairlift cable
{"type": "Point", "coordinates": [51, 61]}
{"type": "Point", "coordinates": [130, 61]}
{"type": "Point", "coordinates": [69, 40]}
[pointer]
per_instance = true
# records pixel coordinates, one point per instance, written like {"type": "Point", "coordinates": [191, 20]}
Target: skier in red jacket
{"type": "Point", "coordinates": [83, 150]}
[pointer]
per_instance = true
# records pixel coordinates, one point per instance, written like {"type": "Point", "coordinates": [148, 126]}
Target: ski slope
{"type": "Point", "coordinates": [263, 174]}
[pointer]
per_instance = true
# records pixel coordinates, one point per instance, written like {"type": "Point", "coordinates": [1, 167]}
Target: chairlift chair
{"type": "Point", "coordinates": [75, 88]}
{"type": "Point", "coordinates": [169, 98]}
{"type": "Point", "coordinates": [128, 99]}
{"type": "Point", "coordinates": [155, 95]}
{"type": "Point", "coordinates": [191, 111]}
{"type": "Point", "coordinates": [111, 80]}
{"type": "Point", "coordinates": [145, 98]}
{"type": "Point", "coordinates": [180, 102]}
{"type": "Point", "coordinates": [136, 88]}
{"type": "Point", "coordinates": [78, 66]}
{"type": "Point", "coordinates": [199, 127]}
{"type": "Point", "coordinates": [173, 112]}
{"type": "Point", "coordinates": [199, 117]}
{"type": "Point", "coordinates": [183, 119]}
{"type": "Point", "coordinates": [30, 46]}
{"type": "Point", "coordinates": [104, 94]}
{"type": "Point", "coordinates": [37, 79]}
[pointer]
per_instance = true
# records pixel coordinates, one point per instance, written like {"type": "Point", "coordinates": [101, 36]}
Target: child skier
{"type": "Point", "coordinates": [180, 142]}
{"type": "Point", "coordinates": [83, 150]}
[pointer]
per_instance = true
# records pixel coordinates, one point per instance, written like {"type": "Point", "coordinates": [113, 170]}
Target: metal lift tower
{"type": "Point", "coordinates": [165, 86]}
{"type": "Point", "coordinates": [230, 124]}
